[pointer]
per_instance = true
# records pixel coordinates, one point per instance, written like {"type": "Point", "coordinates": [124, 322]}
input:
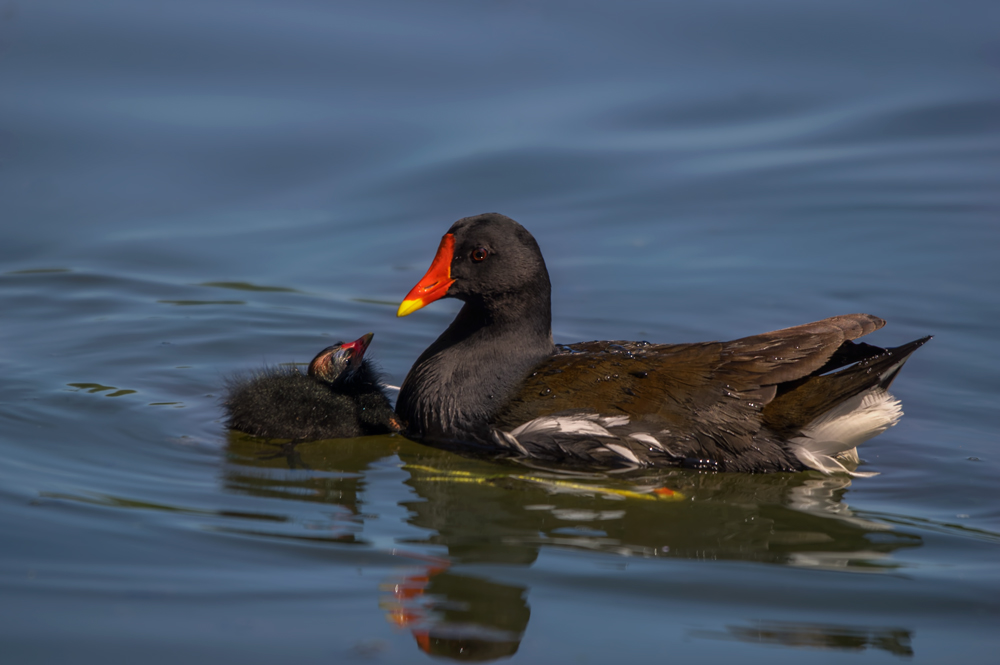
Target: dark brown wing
{"type": "Point", "coordinates": [615, 378]}
{"type": "Point", "coordinates": [705, 399]}
{"type": "Point", "coordinates": [638, 379]}
{"type": "Point", "coordinates": [793, 353]}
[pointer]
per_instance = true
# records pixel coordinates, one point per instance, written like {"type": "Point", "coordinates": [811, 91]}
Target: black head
{"type": "Point", "coordinates": [481, 260]}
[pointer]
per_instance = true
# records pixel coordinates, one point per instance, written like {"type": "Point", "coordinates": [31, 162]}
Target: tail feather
{"type": "Point", "coordinates": [828, 416]}
{"type": "Point", "coordinates": [903, 354]}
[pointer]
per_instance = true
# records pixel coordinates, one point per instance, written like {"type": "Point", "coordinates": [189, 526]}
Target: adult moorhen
{"type": "Point", "coordinates": [789, 400]}
{"type": "Point", "coordinates": [341, 396]}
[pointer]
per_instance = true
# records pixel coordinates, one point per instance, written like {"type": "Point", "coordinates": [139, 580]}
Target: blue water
{"type": "Point", "coordinates": [192, 189]}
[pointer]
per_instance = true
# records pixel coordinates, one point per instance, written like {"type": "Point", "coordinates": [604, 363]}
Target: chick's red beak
{"type": "Point", "coordinates": [435, 283]}
{"type": "Point", "coordinates": [358, 346]}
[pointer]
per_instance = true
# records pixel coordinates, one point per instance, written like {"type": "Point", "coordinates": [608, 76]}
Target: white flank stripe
{"type": "Point", "coordinates": [623, 451]}
{"type": "Point", "coordinates": [509, 441]}
{"type": "Point", "coordinates": [582, 424]}
{"type": "Point", "coordinates": [648, 439]}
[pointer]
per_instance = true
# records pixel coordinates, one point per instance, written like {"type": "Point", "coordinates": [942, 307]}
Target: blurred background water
{"type": "Point", "coordinates": [188, 189]}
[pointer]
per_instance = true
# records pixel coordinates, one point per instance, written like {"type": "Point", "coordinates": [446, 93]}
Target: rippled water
{"type": "Point", "coordinates": [190, 189]}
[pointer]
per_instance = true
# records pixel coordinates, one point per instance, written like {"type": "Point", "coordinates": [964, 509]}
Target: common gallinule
{"type": "Point", "coordinates": [340, 396]}
{"type": "Point", "coordinates": [789, 400]}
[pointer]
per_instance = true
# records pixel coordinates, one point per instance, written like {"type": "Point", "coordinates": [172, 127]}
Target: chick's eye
{"type": "Point", "coordinates": [480, 254]}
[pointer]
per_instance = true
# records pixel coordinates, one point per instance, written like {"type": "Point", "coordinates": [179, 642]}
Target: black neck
{"type": "Point", "coordinates": [510, 314]}
{"type": "Point", "coordinates": [470, 371]}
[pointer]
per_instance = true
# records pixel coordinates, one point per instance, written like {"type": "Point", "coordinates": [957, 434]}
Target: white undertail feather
{"type": "Point", "coordinates": [850, 456]}
{"type": "Point", "coordinates": [840, 430]}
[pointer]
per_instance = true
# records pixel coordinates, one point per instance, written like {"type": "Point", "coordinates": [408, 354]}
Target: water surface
{"type": "Point", "coordinates": [192, 189]}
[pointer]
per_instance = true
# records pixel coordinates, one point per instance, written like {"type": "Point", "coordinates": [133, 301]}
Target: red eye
{"type": "Point", "coordinates": [480, 254]}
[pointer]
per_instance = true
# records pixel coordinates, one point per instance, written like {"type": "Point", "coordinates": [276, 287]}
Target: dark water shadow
{"type": "Point", "coordinates": [487, 513]}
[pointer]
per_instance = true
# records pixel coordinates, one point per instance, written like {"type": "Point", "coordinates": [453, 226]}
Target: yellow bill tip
{"type": "Point", "coordinates": [409, 306]}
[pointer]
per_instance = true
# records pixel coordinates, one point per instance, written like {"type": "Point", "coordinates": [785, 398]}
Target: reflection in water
{"type": "Point", "coordinates": [820, 636]}
{"type": "Point", "coordinates": [458, 616]}
{"type": "Point", "coordinates": [481, 512]}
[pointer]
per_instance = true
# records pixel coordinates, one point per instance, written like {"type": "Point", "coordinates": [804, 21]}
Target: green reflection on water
{"type": "Point", "coordinates": [897, 641]}
{"type": "Point", "coordinates": [201, 302]}
{"type": "Point", "coordinates": [247, 286]}
{"type": "Point", "coordinates": [795, 519]}
{"type": "Point", "coordinates": [98, 388]}
{"type": "Point", "coordinates": [373, 301]}
{"type": "Point", "coordinates": [120, 502]}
